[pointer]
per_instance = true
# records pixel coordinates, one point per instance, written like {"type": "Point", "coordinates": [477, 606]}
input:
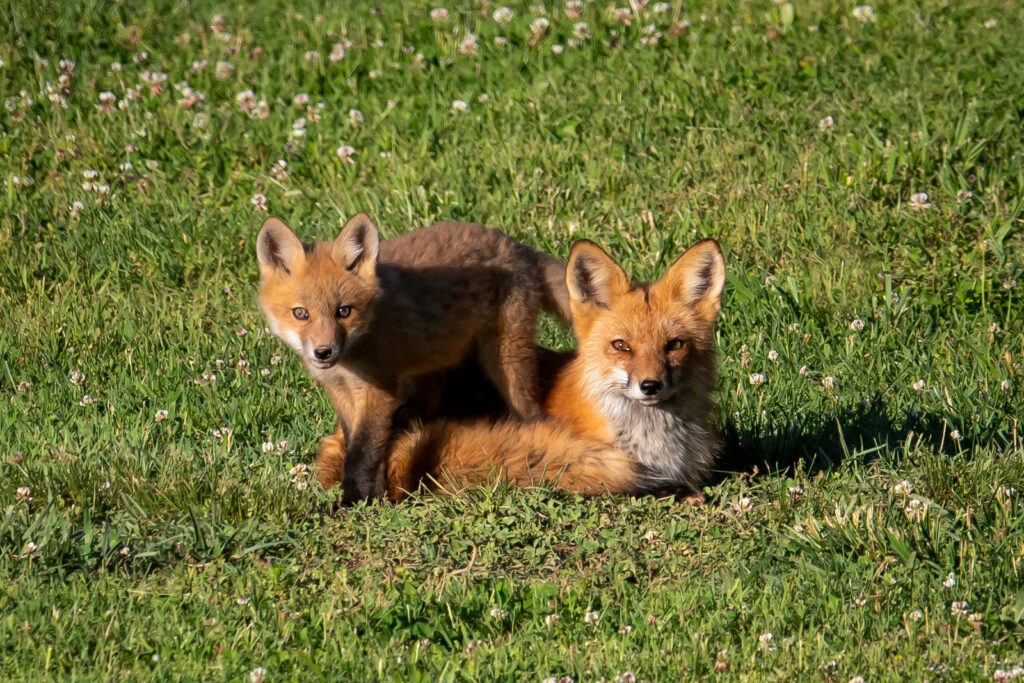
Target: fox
{"type": "Point", "coordinates": [376, 323]}
{"type": "Point", "coordinates": [628, 412]}
{"type": "Point", "coordinates": [643, 373]}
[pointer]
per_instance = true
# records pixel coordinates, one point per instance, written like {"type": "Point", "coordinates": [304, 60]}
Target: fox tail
{"type": "Point", "coordinates": [447, 456]}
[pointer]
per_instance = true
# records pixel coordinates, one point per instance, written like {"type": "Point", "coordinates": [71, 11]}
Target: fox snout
{"type": "Point", "coordinates": [651, 388]}
{"type": "Point", "coordinates": [325, 348]}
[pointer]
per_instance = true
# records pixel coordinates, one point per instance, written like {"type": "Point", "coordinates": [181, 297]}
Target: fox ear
{"type": "Point", "coordinates": [277, 247]}
{"type": "Point", "coordinates": [697, 278]}
{"type": "Point", "coordinates": [592, 277]}
{"type": "Point", "coordinates": [356, 246]}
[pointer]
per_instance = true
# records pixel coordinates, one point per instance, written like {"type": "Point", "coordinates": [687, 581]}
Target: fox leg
{"type": "Point", "coordinates": [364, 477]}
{"type": "Point", "coordinates": [509, 358]}
{"type": "Point", "coordinates": [330, 461]}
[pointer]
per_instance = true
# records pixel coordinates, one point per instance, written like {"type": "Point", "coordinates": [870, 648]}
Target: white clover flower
{"type": "Point", "coordinates": [557, 49]}
{"type": "Point", "coordinates": [765, 640]}
{"type": "Point", "coordinates": [312, 55]}
{"type": "Point", "coordinates": [581, 30]}
{"type": "Point", "coordinates": [296, 470]}
{"type": "Point", "coordinates": [23, 494]}
{"type": "Point", "coordinates": [76, 376]}
{"type": "Point", "coordinates": [1004, 385]}
{"type": "Point", "coordinates": [355, 117]}
{"type": "Point", "coordinates": [502, 15]}
{"type": "Point", "coordinates": [498, 613]}
{"type": "Point", "coordinates": [259, 201]}
{"type": "Point", "coordinates": [88, 400]}
{"type": "Point", "coordinates": [756, 379]}
{"type": "Point", "coordinates": [773, 356]}
{"type": "Point", "coordinates": [903, 488]}
{"type": "Point", "coordinates": [625, 629]}
{"type": "Point", "coordinates": [267, 446]}
{"type": "Point", "coordinates": [460, 107]}
{"type": "Point", "coordinates": [744, 504]}
{"type": "Point", "coordinates": [223, 70]}
{"type": "Point", "coordinates": [795, 491]}
{"type": "Point", "coordinates": [804, 371]}
{"type": "Point", "coordinates": [468, 46]}
{"type": "Point", "coordinates": [856, 324]}
{"type": "Point", "coordinates": [539, 25]}
{"type": "Point", "coordinates": [500, 41]}
{"type": "Point", "coordinates": [300, 100]}
{"type": "Point", "coordinates": [439, 15]}
{"type": "Point", "coordinates": [950, 580]}
{"type": "Point", "coordinates": [160, 415]}
{"type": "Point", "coordinates": [914, 615]}
{"type": "Point", "coordinates": [345, 153]}
{"type": "Point", "coordinates": [856, 679]}
{"type": "Point", "coordinates": [337, 53]}
{"type": "Point", "coordinates": [257, 675]}
{"type": "Point", "coordinates": [963, 195]}
{"type": "Point", "coordinates": [550, 620]}
{"type": "Point", "coordinates": [574, 9]}
{"type": "Point", "coordinates": [863, 13]}
{"type": "Point", "coordinates": [30, 548]}
{"type": "Point", "coordinates": [591, 618]}
{"type": "Point", "coordinates": [955, 435]}
{"type": "Point", "coordinates": [301, 484]}
{"type": "Point", "coordinates": [626, 677]}
{"type": "Point", "coordinates": [990, 23]}
{"type": "Point", "coordinates": [919, 201]}
{"type": "Point", "coordinates": [828, 382]}
{"type": "Point", "coordinates": [918, 385]}
{"type": "Point", "coordinates": [958, 608]}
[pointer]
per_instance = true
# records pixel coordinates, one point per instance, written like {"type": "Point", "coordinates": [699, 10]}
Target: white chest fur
{"type": "Point", "coordinates": [667, 438]}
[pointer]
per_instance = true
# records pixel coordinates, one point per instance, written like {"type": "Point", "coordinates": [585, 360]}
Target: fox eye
{"type": "Point", "coordinates": [620, 345]}
{"type": "Point", "coordinates": [675, 345]}
{"type": "Point", "coordinates": [343, 312]}
{"type": "Point", "coordinates": [300, 313]}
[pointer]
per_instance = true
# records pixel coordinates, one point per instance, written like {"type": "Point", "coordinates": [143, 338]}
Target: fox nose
{"type": "Point", "coordinates": [322, 352]}
{"type": "Point", "coordinates": [649, 387]}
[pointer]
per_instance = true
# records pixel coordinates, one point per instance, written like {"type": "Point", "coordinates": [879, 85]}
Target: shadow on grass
{"type": "Point", "coordinates": [820, 442]}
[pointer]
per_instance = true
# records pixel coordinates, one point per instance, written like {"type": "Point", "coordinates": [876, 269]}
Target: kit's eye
{"type": "Point", "coordinates": [343, 312]}
{"type": "Point", "coordinates": [620, 345]}
{"type": "Point", "coordinates": [675, 345]}
{"type": "Point", "coordinates": [300, 313]}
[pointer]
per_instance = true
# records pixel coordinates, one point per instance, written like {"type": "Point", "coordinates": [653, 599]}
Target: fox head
{"type": "Point", "coordinates": [645, 342]}
{"type": "Point", "coordinates": [318, 298]}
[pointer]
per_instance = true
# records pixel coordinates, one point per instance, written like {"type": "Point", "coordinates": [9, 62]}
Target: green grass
{"type": "Point", "coordinates": [162, 550]}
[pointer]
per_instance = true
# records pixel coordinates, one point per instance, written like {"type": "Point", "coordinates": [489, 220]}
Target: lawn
{"type": "Point", "coordinates": [862, 167]}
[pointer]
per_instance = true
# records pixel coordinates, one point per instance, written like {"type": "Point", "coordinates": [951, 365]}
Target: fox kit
{"type": "Point", "coordinates": [644, 369]}
{"type": "Point", "coordinates": [375, 321]}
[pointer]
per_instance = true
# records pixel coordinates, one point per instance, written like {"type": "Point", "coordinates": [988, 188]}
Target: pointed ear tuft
{"type": "Point", "coordinates": [357, 245]}
{"type": "Point", "coordinates": [277, 247]}
{"type": "Point", "coordinates": [697, 278]}
{"type": "Point", "coordinates": [592, 277]}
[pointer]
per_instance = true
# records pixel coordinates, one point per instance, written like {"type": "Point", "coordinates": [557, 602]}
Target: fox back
{"type": "Point", "coordinates": [644, 369]}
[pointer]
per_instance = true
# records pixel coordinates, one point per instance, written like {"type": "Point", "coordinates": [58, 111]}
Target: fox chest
{"type": "Point", "coordinates": [659, 438]}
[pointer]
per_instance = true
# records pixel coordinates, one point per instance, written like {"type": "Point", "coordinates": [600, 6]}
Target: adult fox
{"type": "Point", "coordinates": [375, 321]}
{"type": "Point", "coordinates": [630, 410]}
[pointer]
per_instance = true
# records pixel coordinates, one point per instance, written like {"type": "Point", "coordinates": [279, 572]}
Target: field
{"type": "Point", "coordinates": [862, 167]}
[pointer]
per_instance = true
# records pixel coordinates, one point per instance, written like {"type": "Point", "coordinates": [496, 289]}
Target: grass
{"type": "Point", "coordinates": [180, 549]}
